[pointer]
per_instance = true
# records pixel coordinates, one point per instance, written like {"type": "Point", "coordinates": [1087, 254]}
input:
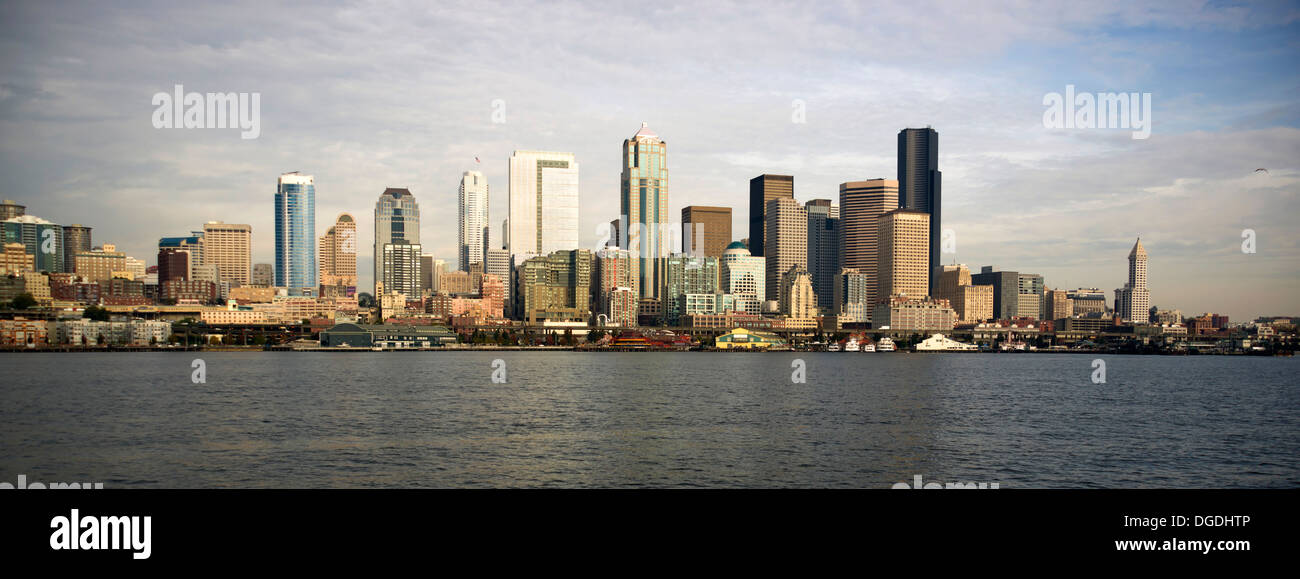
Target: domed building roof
{"type": "Point", "coordinates": [736, 248]}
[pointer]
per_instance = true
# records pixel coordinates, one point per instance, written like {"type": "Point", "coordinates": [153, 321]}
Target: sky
{"type": "Point", "coordinates": [369, 95]}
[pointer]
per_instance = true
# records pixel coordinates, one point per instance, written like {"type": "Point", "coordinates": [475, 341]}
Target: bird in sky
{"type": "Point", "coordinates": [1256, 170]}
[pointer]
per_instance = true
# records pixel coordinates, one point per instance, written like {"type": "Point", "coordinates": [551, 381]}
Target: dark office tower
{"type": "Point", "coordinates": [711, 224]}
{"type": "Point", "coordinates": [76, 239]}
{"type": "Point", "coordinates": [919, 184]}
{"type": "Point", "coordinates": [762, 189]}
{"type": "Point", "coordinates": [824, 252]}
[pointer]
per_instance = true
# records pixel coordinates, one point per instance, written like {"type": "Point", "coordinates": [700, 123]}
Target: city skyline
{"type": "Point", "coordinates": [1058, 203]}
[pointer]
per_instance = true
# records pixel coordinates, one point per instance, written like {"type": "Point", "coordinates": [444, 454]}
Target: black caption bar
{"type": "Point", "coordinates": [162, 529]}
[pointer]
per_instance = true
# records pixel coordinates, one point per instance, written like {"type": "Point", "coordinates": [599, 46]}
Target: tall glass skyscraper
{"type": "Point", "coordinates": [473, 208]}
{"type": "Point", "coordinates": [644, 200]}
{"type": "Point", "coordinates": [397, 220]}
{"type": "Point", "coordinates": [920, 185]}
{"type": "Point", "coordinates": [295, 233]}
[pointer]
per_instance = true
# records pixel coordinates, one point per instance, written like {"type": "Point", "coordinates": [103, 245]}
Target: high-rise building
{"type": "Point", "coordinates": [555, 287]}
{"type": "Point", "coordinates": [295, 233]}
{"type": "Point", "coordinates": [851, 297]}
{"type": "Point", "coordinates": [1057, 305]}
{"type": "Point", "coordinates": [972, 303]}
{"type": "Point", "coordinates": [76, 240]}
{"type": "Point", "coordinates": [229, 246]}
{"type": "Point", "coordinates": [41, 238]}
{"type": "Point", "coordinates": [15, 259]}
{"type": "Point", "coordinates": [1087, 301]}
{"type": "Point", "coordinates": [1030, 301]}
{"type": "Point", "coordinates": [798, 299]}
{"type": "Point", "coordinates": [173, 264]}
{"type": "Point", "coordinates": [397, 220]}
{"type": "Point", "coordinates": [497, 262]}
{"type": "Point", "coordinates": [401, 268]}
{"type": "Point", "coordinates": [903, 254]}
{"type": "Point", "coordinates": [100, 264]}
{"type": "Point", "coordinates": [1133, 301]}
{"type": "Point", "coordinates": [823, 249]}
{"type": "Point", "coordinates": [543, 204]}
{"type": "Point", "coordinates": [338, 255]}
{"type": "Point", "coordinates": [1006, 290]}
{"type": "Point", "coordinates": [744, 276]}
{"type": "Point", "coordinates": [613, 271]}
{"type": "Point", "coordinates": [785, 241]}
{"type": "Point", "coordinates": [709, 228]}
{"type": "Point", "coordinates": [861, 205]}
{"type": "Point", "coordinates": [472, 236]}
{"type": "Point", "coordinates": [762, 190]}
{"type": "Point", "coordinates": [920, 185]}
{"type": "Point", "coordinates": [10, 209]}
{"type": "Point", "coordinates": [263, 274]}
{"type": "Point", "coordinates": [643, 199]}
{"type": "Point", "coordinates": [686, 275]}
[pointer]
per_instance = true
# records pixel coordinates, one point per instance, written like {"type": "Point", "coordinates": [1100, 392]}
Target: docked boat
{"type": "Point", "coordinates": [942, 343]}
{"type": "Point", "coordinates": [885, 345]}
{"type": "Point", "coordinates": [851, 345]}
{"type": "Point", "coordinates": [833, 347]}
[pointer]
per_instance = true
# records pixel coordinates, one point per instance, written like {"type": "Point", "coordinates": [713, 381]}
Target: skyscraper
{"type": "Point", "coordinates": [685, 275]}
{"type": "Point", "coordinates": [798, 300]}
{"type": "Point", "coordinates": [338, 254]}
{"type": "Point", "coordinates": [850, 296]}
{"type": "Point", "coordinates": [472, 236]}
{"type": "Point", "coordinates": [643, 199]}
{"type": "Point", "coordinates": [41, 238]}
{"type": "Point", "coordinates": [397, 220]}
{"type": "Point", "coordinates": [1133, 301]}
{"type": "Point", "coordinates": [743, 275]}
{"type": "Point", "coordinates": [716, 225]}
{"type": "Point", "coordinates": [543, 204]}
{"type": "Point", "coordinates": [902, 262]}
{"type": "Point", "coordinates": [229, 246]}
{"type": "Point", "coordinates": [972, 303]}
{"type": "Point", "coordinates": [401, 268]}
{"type": "Point", "coordinates": [785, 241]}
{"type": "Point", "coordinates": [763, 189]}
{"type": "Point", "coordinates": [76, 239]}
{"type": "Point", "coordinates": [823, 249]}
{"type": "Point", "coordinates": [920, 184]}
{"type": "Point", "coordinates": [1006, 290]}
{"type": "Point", "coordinates": [861, 205]}
{"type": "Point", "coordinates": [295, 233]}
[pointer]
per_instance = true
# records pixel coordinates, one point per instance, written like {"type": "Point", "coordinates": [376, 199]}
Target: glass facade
{"type": "Point", "coordinates": [295, 233]}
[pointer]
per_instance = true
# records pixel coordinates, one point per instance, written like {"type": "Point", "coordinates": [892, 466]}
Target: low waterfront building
{"type": "Point", "coordinates": [742, 338]}
{"type": "Point", "coordinates": [386, 336]}
{"type": "Point", "coordinates": [24, 332]}
{"type": "Point", "coordinates": [908, 313]}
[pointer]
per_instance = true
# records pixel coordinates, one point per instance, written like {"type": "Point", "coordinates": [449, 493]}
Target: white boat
{"type": "Point", "coordinates": [885, 345]}
{"type": "Point", "coordinates": [868, 347]}
{"type": "Point", "coordinates": [942, 343]}
{"type": "Point", "coordinates": [1012, 346]}
{"type": "Point", "coordinates": [833, 347]}
{"type": "Point", "coordinates": [851, 345]}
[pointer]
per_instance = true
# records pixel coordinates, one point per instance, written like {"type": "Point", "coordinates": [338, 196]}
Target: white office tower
{"type": "Point", "coordinates": [473, 213]}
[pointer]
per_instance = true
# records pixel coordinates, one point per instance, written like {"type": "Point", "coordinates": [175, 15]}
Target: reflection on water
{"type": "Point", "coordinates": [647, 420]}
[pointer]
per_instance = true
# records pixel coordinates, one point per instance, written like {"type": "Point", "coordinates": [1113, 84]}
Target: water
{"type": "Point", "coordinates": [566, 419]}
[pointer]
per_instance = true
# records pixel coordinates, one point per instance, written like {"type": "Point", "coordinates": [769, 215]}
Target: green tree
{"type": "Point", "coordinates": [23, 301]}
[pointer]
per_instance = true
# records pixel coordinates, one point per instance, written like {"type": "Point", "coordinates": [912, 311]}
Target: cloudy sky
{"type": "Point", "coordinates": [371, 95]}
